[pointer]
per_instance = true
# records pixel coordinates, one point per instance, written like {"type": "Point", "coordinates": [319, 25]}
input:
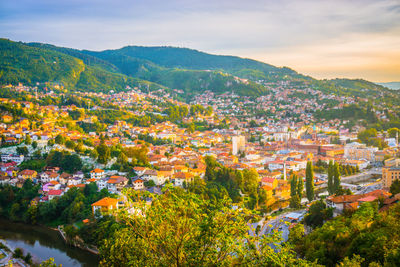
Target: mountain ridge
{"type": "Point", "coordinates": [159, 66]}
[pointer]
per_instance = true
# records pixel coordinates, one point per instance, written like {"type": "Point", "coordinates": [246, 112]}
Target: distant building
{"type": "Point", "coordinates": [106, 205]}
{"type": "Point", "coordinates": [97, 174]}
{"type": "Point", "coordinates": [359, 151]}
{"type": "Point", "coordinates": [389, 174]}
{"type": "Point", "coordinates": [238, 144]}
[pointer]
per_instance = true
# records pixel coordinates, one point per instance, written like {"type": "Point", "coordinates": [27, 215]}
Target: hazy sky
{"type": "Point", "coordinates": [325, 39]}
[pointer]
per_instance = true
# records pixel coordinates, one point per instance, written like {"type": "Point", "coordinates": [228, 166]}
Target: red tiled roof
{"type": "Point", "coordinates": [55, 192]}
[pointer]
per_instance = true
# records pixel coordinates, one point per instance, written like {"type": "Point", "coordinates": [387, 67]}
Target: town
{"type": "Point", "coordinates": [148, 141]}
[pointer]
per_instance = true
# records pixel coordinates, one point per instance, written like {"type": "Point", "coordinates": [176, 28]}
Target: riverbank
{"type": "Point", "coordinates": [43, 243]}
{"type": "Point", "coordinates": [80, 245]}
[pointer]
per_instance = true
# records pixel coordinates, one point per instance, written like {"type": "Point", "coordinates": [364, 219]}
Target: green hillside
{"type": "Point", "coordinates": [129, 59]}
{"type": "Point", "coordinates": [154, 67]}
{"type": "Point", "coordinates": [21, 63]}
{"type": "Point", "coordinates": [31, 64]}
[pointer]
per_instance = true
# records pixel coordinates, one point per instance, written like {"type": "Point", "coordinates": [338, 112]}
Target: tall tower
{"type": "Point", "coordinates": [284, 170]}
{"type": "Point", "coordinates": [238, 144]}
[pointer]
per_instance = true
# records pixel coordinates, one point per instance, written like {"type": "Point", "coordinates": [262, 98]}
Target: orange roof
{"type": "Point", "coordinates": [267, 188]}
{"type": "Point", "coordinates": [106, 202]}
{"type": "Point", "coordinates": [97, 171]}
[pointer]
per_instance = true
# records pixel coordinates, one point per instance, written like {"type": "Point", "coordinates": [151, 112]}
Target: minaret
{"type": "Point", "coordinates": [284, 170]}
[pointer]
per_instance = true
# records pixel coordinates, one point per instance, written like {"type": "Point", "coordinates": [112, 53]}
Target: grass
{"type": "Point", "coordinates": [2, 256]}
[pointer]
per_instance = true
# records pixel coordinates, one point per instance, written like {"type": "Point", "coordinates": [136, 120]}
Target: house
{"type": "Point", "coordinates": [140, 170]}
{"type": "Point", "coordinates": [54, 193]}
{"type": "Point", "coordinates": [48, 176]}
{"type": "Point", "coordinates": [268, 181]}
{"type": "Point", "coordinates": [11, 157]}
{"type": "Point", "coordinates": [64, 177]}
{"type": "Point", "coordinates": [341, 203]}
{"type": "Point", "coordinates": [181, 178]}
{"type": "Point", "coordinates": [27, 174]}
{"type": "Point", "coordinates": [116, 183]}
{"type": "Point", "coordinates": [54, 185]}
{"type": "Point", "coordinates": [97, 174]}
{"type": "Point", "coordinates": [102, 183]}
{"type": "Point", "coordinates": [105, 205]}
{"type": "Point", "coordinates": [138, 184]}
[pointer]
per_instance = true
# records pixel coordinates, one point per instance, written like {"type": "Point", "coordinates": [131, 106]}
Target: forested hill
{"type": "Point", "coordinates": [31, 64]}
{"type": "Point", "coordinates": [155, 67]}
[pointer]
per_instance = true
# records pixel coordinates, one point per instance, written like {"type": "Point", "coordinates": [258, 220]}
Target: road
{"type": "Point", "coordinates": [280, 224]}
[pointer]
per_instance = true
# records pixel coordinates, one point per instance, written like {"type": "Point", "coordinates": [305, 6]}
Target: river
{"type": "Point", "coordinates": [44, 243]}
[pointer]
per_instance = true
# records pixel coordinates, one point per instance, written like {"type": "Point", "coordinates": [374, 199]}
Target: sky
{"type": "Point", "coordinates": [324, 39]}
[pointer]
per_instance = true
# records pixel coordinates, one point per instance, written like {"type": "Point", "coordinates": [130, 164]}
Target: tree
{"type": "Point", "coordinates": [150, 183]}
{"type": "Point", "coordinates": [336, 176]}
{"type": "Point", "coordinates": [191, 128]}
{"type": "Point", "coordinates": [50, 142]}
{"type": "Point", "coordinates": [309, 181]}
{"type": "Point", "coordinates": [28, 258]}
{"type": "Point", "coordinates": [34, 144]}
{"type": "Point", "coordinates": [70, 144]}
{"type": "Point", "coordinates": [49, 263]}
{"type": "Point", "coordinates": [28, 140]}
{"type": "Point", "coordinates": [300, 187]}
{"type": "Point", "coordinates": [317, 214]}
{"type": "Point", "coordinates": [18, 253]}
{"type": "Point", "coordinates": [182, 229]}
{"type": "Point", "coordinates": [59, 139]}
{"type": "Point", "coordinates": [104, 153]}
{"type": "Point", "coordinates": [331, 188]}
{"type": "Point", "coordinates": [71, 163]}
{"type": "Point", "coordinates": [294, 191]}
{"type": "Point", "coordinates": [296, 234]}
{"type": "Point", "coordinates": [22, 150]}
{"type": "Point", "coordinates": [395, 187]}
{"type": "Point", "coordinates": [94, 154]}
{"type": "Point", "coordinates": [295, 202]}
{"type": "Point", "coordinates": [393, 132]}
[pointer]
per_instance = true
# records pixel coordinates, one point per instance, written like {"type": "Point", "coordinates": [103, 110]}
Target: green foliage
{"type": "Point", "coordinates": [49, 263]}
{"type": "Point", "coordinates": [182, 229]}
{"type": "Point", "coordinates": [21, 62]}
{"type": "Point", "coordinates": [59, 139]}
{"type": "Point", "coordinates": [309, 181]}
{"type": "Point", "coordinates": [28, 140]}
{"type": "Point", "coordinates": [74, 205]}
{"type": "Point", "coordinates": [34, 144]}
{"type": "Point", "coordinates": [331, 187]}
{"type": "Point", "coordinates": [64, 160]}
{"type": "Point", "coordinates": [369, 137]}
{"type": "Point", "coordinates": [393, 132]}
{"type": "Point", "coordinates": [317, 214]}
{"type": "Point", "coordinates": [22, 150]}
{"type": "Point", "coordinates": [336, 176]}
{"type": "Point", "coordinates": [395, 187]}
{"type": "Point", "coordinates": [103, 152]}
{"type": "Point", "coordinates": [372, 236]}
{"type": "Point", "coordinates": [296, 191]}
{"type": "Point", "coordinates": [33, 164]}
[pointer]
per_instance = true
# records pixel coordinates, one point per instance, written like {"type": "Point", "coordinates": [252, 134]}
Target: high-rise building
{"type": "Point", "coordinates": [238, 144]}
{"type": "Point", "coordinates": [389, 174]}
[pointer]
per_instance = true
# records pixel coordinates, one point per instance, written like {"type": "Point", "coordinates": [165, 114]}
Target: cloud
{"type": "Point", "coordinates": [323, 38]}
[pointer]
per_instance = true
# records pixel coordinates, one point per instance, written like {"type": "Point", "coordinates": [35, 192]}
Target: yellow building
{"type": "Point", "coordinates": [105, 205]}
{"type": "Point", "coordinates": [389, 174]}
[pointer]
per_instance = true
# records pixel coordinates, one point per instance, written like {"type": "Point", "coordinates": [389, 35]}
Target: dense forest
{"type": "Point", "coordinates": [151, 68]}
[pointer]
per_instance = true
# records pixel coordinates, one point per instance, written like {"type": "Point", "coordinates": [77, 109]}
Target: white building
{"type": "Point", "coordinates": [238, 144]}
